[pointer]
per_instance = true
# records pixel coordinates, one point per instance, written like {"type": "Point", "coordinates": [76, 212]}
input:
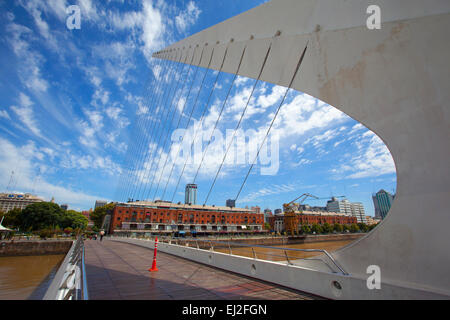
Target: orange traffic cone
{"type": "Point", "coordinates": [154, 268]}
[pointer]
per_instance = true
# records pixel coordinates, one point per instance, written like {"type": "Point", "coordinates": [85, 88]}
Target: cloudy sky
{"type": "Point", "coordinates": [80, 112]}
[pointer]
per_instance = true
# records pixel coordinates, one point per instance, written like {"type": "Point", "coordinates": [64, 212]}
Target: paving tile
{"type": "Point", "coordinates": [120, 271]}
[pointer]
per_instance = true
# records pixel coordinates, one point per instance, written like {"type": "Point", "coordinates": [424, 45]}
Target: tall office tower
{"type": "Point", "coordinates": [100, 203]}
{"type": "Point", "coordinates": [358, 211]}
{"type": "Point", "coordinates": [343, 206]}
{"type": "Point", "coordinates": [355, 209]}
{"type": "Point", "coordinates": [190, 196]}
{"type": "Point", "coordinates": [231, 203]}
{"type": "Point", "coordinates": [382, 201]}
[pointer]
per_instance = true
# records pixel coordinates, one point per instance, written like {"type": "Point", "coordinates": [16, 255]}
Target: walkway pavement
{"type": "Point", "coordinates": [117, 271]}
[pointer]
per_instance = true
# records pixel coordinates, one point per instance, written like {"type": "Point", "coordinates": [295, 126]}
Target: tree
{"type": "Point", "coordinates": [354, 228]}
{"type": "Point", "coordinates": [326, 228]}
{"type": "Point", "coordinates": [305, 229]}
{"type": "Point", "coordinates": [266, 226]}
{"type": "Point", "coordinates": [73, 219]}
{"type": "Point", "coordinates": [41, 215]}
{"type": "Point", "coordinates": [12, 218]}
{"type": "Point", "coordinates": [363, 227]}
{"type": "Point", "coordinates": [99, 213]}
{"type": "Point", "coordinates": [338, 227]}
{"type": "Point", "coordinates": [316, 228]}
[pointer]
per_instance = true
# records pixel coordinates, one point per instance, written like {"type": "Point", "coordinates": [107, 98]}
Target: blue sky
{"type": "Point", "coordinates": [70, 99]}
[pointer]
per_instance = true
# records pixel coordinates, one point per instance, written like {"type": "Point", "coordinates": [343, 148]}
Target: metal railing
{"type": "Point", "coordinates": [70, 281]}
{"type": "Point", "coordinates": [285, 254]}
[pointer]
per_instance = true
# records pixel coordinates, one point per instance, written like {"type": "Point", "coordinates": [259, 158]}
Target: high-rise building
{"type": "Point", "coordinates": [9, 201]}
{"type": "Point", "coordinates": [64, 206]}
{"type": "Point", "coordinates": [358, 211]}
{"type": "Point", "coordinates": [342, 206]}
{"type": "Point", "coordinates": [231, 203]}
{"type": "Point", "coordinates": [256, 209]}
{"type": "Point", "coordinates": [190, 196]}
{"type": "Point", "coordinates": [267, 214]}
{"type": "Point", "coordinates": [100, 203]}
{"type": "Point", "coordinates": [278, 211]}
{"type": "Point", "coordinates": [355, 209]}
{"type": "Point", "coordinates": [382, 201]}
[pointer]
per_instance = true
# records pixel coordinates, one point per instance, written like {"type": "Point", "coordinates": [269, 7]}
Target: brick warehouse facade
{"type": "Point", "coordinates": [316, 217]}
{"type": "Point", "coordinates": [164, 217]}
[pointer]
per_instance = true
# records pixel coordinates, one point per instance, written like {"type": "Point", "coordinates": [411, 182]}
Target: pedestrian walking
{"type": "Point", "coordinates": [102, 233]}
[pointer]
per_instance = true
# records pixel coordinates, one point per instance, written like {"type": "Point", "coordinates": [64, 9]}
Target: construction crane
{"type": "Point", "coordinates": [290, 218]}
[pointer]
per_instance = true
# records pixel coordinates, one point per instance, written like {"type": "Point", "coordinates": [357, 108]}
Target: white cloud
{"type": "Point", "coordinates": [29, 61]}
{"type": "Point", "coordinates": [4, 114]}
{"type": "Point", "coordinates": [187, 17]}
{"type": "Point", "coordinates": [26, 115]}
{"type": "Point", "coordinates": [25, 162]}
{"type": "Point", "coordinates": [373, 159]}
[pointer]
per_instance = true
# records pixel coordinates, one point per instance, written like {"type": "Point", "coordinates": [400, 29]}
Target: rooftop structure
{"type": "Point", "coordinates": [9, 201]}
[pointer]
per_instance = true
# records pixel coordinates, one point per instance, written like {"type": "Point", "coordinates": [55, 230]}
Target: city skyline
{"type": "Point", "coordinates": [65, 129]}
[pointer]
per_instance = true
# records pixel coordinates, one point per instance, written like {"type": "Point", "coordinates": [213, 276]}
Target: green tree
{"type": "Point", "coordinates": [363, 227]}
{"type": "Point", "coordinates": [338, 227]}
{"type": "Point", "coordinates": [41, 215]}
{"type": "Point", "coordinates": [99, 213]}
{"type": "Point", "coordinates": [316, 228]}
{"type": "Point", "coordinates": [267, 226]}
{"type": "Point", "coordinates": [354, 228]}
{"type": "Point", "coordinates": [73, 219]}
{"type": "Point", "coordinates": [12, 218]}
{"type": "Point", "coordinates": [326, 228]}
{"type": "Point", "coordinates": [305, 229]}
{"type": "Point", "coordinates": [345, 228]}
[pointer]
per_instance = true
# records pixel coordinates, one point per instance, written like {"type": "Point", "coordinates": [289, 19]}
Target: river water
{"type": "Point", "coordinates": [27, 277]}
{"type": "Point", "coordinates": [280, 255]}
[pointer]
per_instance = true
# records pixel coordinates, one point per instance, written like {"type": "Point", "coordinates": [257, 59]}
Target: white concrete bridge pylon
{"type": "Point", "coordinates": [394, 80]}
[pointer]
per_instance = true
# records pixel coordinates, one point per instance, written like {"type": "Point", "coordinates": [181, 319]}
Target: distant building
{"type": "Point", "coordinates": [355, 209]}
{"type": "Point", "coordinates": [231, 203]}
{"type": "Point", "coordinates": [307, 207]}
{"type": "Point", "coordinates": [9, 201]}
{"type": "Point", "coordinates": [154, 218]}
{"type": "Point", "coordinates": [256, 209]}
{"type": "Point", "coordinates": [190, 196]}
{"type": "Point", "coordinates": [267, 215]}
{"type": "Point", "coordinates": [100, 203]}
{"type": "Point", "coordinates": [358, 211]}
{"type": "Point", "coordinates": [278, 211]}
{"type": "Point", "coordinates": [87, 215]}
{"type": "Point", "coordinates": [371, 220]}
{"type": "Point", "coordinates": [382, 201]}
{"type": "Point", "coordinates": [312, 217]}
{"type": "Point", "coordinates": [64, 206]}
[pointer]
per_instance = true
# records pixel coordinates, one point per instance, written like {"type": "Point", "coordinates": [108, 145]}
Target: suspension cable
{"type": "Point", "coordinates": [127, 167]}
{"type": "Point", "coordinates": [220, 114]}
{"type": "Point", "coordinates": [178, 124]}
{"type": "Point", "coordinates": [149, 152]}
{"type": "Point", "coordinates": [273, 120]}
{"type": "Point", "coordinates": [187, 125]}
{"type": "Point", "coordinates": [174, 105]}
{"type": "Point", "coordinates": [162, 99]}
{"type": "Point", "coordinates": [239, 123]}
{"type": "Point", "coordinates": [201, 118]}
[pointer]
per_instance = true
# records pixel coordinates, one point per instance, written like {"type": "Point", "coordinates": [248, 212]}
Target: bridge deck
{"type": "Point", "coordinates": [117, 270]}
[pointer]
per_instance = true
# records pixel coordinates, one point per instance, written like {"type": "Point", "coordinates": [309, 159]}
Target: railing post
{"type": "Point", "coordinates": [254, 253]}
{"type": "Point", "coordinates": [287, 258]}
{"type": "Point", "coordinates": [229, 246]}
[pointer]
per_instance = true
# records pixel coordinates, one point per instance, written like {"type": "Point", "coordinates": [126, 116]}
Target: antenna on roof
{"type": "Point", "coordinates": [10, 181]}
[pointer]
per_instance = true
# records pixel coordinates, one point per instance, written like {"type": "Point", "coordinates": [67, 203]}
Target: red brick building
{"type": "Point", "coordinates": [164, 217]}
{"type": "Point", "coordinates": [317, 217]}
